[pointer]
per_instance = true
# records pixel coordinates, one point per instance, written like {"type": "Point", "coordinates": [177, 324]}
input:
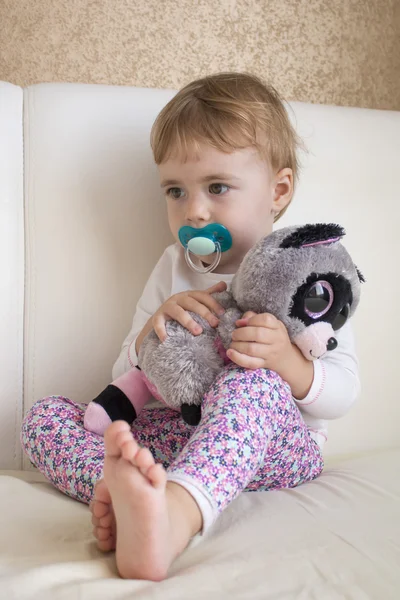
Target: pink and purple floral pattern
{"type": "Point", "coordinates": [251, 437]}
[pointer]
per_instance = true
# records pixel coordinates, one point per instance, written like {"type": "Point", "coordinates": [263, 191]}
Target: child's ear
{"type": "Point", "coordinates": [318, 233]}
{"type": "Point", "coordinates": [283, 191]}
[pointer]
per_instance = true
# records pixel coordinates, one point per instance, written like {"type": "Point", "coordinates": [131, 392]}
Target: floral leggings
{"type": "Point", "coordinates": [251, 437]}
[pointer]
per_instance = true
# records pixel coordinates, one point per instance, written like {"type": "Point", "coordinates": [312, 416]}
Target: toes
{"type": "Point", "coordinates": [144, 460]}
{"type": "Point", "coordinates": [112, 435]}
{"type": "Point", "coordinates": [95, 521]}
{"type": "Point", "coordinates": [124, 437]}
{"type": "Point", "coordinates": [107, 521]}
{"type": "Point", "coordinates": [157, 476]}
{"type": "Point", "coordinates": [102, 533]}
{"type": "Point", "coordinates": [119, 442]}
{"type": "Point", "coordinates": [106, 546]}
{"type": "Point", "coordinates": [129, 450]}
{"type": "Point", "coordinates": [101, 492]}
{"type": "Point", "coordinates": [100, 509]}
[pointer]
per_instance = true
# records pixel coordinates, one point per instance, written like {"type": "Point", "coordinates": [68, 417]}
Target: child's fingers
{"type": "Point", "coordinates": [207, 300]}
{"type": "Point", "coordinates": [179, 314]}
{"type": "Point", "coordinates": [192, 304]}
{"type": "Point", "coordinates": [204, 298]}
{"type": "Point", "coordinates": [199, 302]}
{"type": "Point", "coordinates": [217, 287]}
{"type": "Point", "coordinates": [245, 361]}
{"type": "Point", "coordinates": [251, 349]}
{"type": "Point", "coordinates": [244, 320]}
{"type": "Point", "coordinates": [263, 320]}
{"type": "Point", "coordinates": [159, 327]}
{"type": "Point", "coordinates": [249, 314]}
{"type": "Point", "coordinates": [261, 335]}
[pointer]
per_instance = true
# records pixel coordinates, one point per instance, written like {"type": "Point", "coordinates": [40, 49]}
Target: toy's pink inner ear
{"type": "Point", "coordinates": [313, 340]}
{"type": "Point", "coordinates": [321, 243]}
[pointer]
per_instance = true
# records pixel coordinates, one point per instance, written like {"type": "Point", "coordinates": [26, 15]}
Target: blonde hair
{"type": "Point", "coordinates": [229, 111]}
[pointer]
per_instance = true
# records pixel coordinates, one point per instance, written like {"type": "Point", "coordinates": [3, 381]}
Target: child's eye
{"type": "Point", "coordinates": [175, 192]}
{"type": "Point", "coordinates": [217, 188]}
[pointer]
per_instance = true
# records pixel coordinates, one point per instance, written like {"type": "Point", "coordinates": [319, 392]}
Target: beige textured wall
{"type": "Point", "coordinates": [343, 52]}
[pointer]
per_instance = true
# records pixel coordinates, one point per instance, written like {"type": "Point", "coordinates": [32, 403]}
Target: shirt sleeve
{"type": "Point", "coordinates": [156, 291]}
{"type": "Point", "coordinates": [336, 383]}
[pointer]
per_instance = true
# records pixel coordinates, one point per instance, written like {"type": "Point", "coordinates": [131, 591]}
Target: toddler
{"type": "Point", "coordinates": [226, 154]}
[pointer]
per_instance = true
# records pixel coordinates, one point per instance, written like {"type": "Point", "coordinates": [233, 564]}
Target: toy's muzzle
{"type": "Point", "coordinates": [315, 340]}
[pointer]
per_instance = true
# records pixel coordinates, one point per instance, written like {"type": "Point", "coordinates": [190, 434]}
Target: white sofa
{"type": "Point", "coordinates": [82, 223]}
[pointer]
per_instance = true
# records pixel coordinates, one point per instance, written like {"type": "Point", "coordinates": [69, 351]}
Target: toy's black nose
{"type": "Point", "coordinates": [332, 343]}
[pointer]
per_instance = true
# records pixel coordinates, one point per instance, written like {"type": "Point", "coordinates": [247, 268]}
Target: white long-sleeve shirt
{"type": "Point", "coordinates": [335, 385]}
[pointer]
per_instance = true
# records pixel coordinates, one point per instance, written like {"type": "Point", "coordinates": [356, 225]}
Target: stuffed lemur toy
{"type": "Point", "coordinates": [302, 275]}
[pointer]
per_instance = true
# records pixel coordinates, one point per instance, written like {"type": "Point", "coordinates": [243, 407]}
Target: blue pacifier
{"type": "Point", "coordinates": [204, 241]}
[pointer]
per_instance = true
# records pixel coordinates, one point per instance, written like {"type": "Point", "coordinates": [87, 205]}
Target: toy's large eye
{"type": "Point", "coordinates": [341, 318]}
{"type": "Point", "coordinates": [318, 300]}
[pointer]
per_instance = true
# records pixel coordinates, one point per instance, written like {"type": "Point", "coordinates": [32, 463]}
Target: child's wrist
{"type": "Point", "coordinates": [298, 372]}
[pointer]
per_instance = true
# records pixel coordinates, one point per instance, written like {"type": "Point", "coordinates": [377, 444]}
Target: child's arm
{"type": "Point", "coordinates": [156, 291]}
{"type": "Point", "coordinates": [157, 306]}
{"type": "Point", "coordinates": [325, 388]}
{"type": "Point", "coordinates": [126, 396]}
{"type": "Point", "coordinates": [336, 383]}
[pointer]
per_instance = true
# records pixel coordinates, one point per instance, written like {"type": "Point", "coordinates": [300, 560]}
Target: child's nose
{"type": "Point", "coordinates": [197, 210]}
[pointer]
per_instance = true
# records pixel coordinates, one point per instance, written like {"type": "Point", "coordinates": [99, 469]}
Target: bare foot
{"type": "Point", "coordinates": [103, 518]}
{"type": "Point", "coordinates": [154, 520]}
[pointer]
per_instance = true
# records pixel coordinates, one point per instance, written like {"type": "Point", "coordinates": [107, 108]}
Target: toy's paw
{"type": "Point", "coordinates": [191, 414]}
{"type": "Point", "coordinates": [96, 419]}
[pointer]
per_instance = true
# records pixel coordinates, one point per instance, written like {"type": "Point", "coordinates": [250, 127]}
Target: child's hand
{"type": "Point", "coordinates": [260, 342]}
{"type": "Point", "coordinates": [176, 307]}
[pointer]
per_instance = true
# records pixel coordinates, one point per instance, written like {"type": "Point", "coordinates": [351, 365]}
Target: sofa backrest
{"type": "Point", "coordinates": [11, 273]}
{"type": "Point", "coordinates": [94, 221]}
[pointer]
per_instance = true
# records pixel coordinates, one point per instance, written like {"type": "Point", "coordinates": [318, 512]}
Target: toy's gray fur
{"type": "Point", "coordinates": [288, 268]}
{"type": "Point", "coordinates": [184, 367]}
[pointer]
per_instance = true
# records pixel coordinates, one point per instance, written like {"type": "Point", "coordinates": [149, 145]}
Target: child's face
{"type": "Point", "coordinates": [237, 190]}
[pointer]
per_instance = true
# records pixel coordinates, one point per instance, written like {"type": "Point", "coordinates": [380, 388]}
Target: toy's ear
{"type": "Point", "coordinates": [308, 235]}
{"type": "Point", "coordinates": [360, 275]}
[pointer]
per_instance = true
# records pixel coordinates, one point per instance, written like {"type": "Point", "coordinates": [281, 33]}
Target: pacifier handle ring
{"type": "Point", "coordinates": [208, 269]}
